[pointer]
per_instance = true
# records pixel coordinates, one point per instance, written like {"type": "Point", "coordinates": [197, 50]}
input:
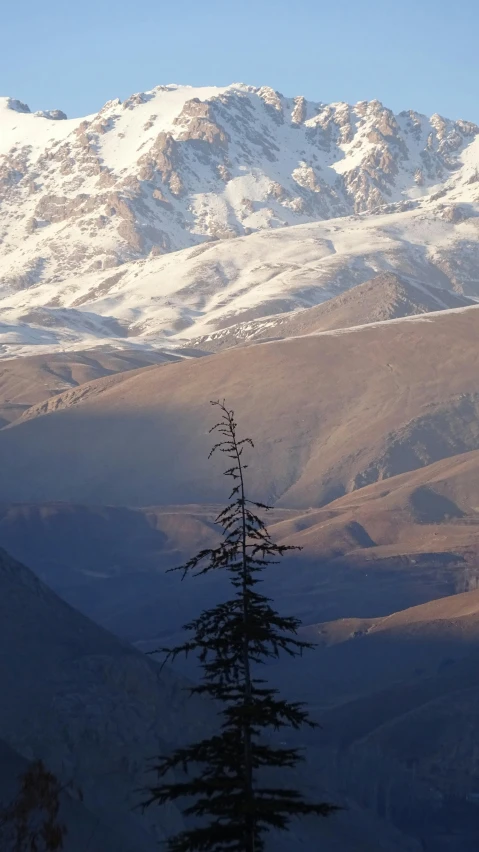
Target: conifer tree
{"type": "Point", "coordinates": [222, 776]}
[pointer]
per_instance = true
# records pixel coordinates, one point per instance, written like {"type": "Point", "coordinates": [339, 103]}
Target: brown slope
{"type": "Point", "coordinates": [27, 381]}
{"type": "Point", "coordinates": [435, 506]}
{"type": "Point", "coordinates": [328, 412]}
{"type": "Point", "coordinates": [454, 618]}
{"type": "Point", "coordinates": [381, 668]}
{"type": "Point", "coordinates": [386, 296]}
{"type": "Point", "coordinates": [398, 703]}
{"type": "Point", "coordinates": [412, 538]}
{"type": "Point", "coordinates": [110, 561]}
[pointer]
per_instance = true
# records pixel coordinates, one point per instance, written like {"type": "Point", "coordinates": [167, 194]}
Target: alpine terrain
{"type": "Point", "coordinates": [317, 266]}
{"type": "Point", "coordinates": [122, 228]}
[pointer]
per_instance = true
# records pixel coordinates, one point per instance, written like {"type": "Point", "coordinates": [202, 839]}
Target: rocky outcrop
{"type": "Point", "coordinates": [52, 114]}
{"type": "Point", "coordinates": [300, 111]}
{"type": "Point", "coordinates": [199, 122]}
{"type": "Point", "coordinates": [162, 161]}
{"type": "Point", "coordinates": [17, 106]}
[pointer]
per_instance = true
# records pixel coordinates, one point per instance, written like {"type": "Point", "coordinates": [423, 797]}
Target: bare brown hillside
{"type": "Point", "coordinates": [328, 413]}
{"type": "Point", "coordinates": [385, 547]}
{"type": "Point", "coordinates": [27, 381]}
{"type": "Point", "coordinates": [434, 506]}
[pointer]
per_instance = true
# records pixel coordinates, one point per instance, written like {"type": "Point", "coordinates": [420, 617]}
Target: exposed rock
{"type": "Point", "coordinates": [53, 114]}
{"type": "Point", "coordinates": [454, 213]}
{"type": "Point", "coordinates": [17, 106]}
{"type": "Point", "coordinates": [106, 179]}
{"type": "Point", "coordinates": [132, 237]}
{"type": "Point", "coordinates": [200, 124]}
{"type": "Point", "coordinates": [272, 101]}
{"type": "Point", "coordinates": [276, 190]}
{"type": "Point", "coordinates": [162, 158]}
{"type": "Point", "coordinates": [160, 239]}
{"type": "Point", "coordinates": [159, 196]}
{"type": "Point", "coordinates": [58, 209]}
{"type": "Point", "coordinates": [27, 277]}
{"type": "Point", "coordinates": [223, 172]}
{"type": "Point", "coordinates": [300, 111]}
{"type": "Point", "coordinates": [305, 176]}
{"type": "Point", "coordinates": [134, 100]}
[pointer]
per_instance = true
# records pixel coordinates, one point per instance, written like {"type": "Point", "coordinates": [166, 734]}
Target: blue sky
{"type": "Point", "coordinates": [75, 55]}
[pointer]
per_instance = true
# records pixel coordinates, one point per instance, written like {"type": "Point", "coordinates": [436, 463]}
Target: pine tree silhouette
{"type": "Point", "coordinates": [232, 805]}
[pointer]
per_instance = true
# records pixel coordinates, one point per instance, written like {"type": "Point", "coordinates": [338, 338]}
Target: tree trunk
{"type": "Point", "coordinates": [248, 762]}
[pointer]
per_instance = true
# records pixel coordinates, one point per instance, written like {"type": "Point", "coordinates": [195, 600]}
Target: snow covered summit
{"type": "Point", "coordinates": [177, 166]}
{"type": "Point", "coordinates": [86, 202]}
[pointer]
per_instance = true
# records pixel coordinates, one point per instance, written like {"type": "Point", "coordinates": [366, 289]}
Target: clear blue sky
{"type": "Point", "coordinates": [76, 54]}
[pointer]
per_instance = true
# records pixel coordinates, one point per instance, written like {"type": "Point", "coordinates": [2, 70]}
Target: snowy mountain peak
{"type": "Point", "coordinates": [178, 166]}
{"type": "Point", "coordinates": [19, 107]}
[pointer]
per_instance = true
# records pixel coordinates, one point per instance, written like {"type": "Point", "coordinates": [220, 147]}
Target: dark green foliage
{"type": "Point", "coordinates": [232, 805]}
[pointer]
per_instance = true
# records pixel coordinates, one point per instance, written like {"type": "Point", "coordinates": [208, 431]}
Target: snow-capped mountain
{"type": "Point", "coordinates": [168, 301]}
{"type": "Point", "coordinates": [87, 205]}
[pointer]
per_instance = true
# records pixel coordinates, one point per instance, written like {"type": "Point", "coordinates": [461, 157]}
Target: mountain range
{"type": "Point", "coordinates": [317, 266]}
{"type": "Point", "coordinates": [122, 228]}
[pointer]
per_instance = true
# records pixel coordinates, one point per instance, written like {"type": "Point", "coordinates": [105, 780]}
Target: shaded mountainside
{"type": "Point", "coordinates": [361, 657]}
{"type": "Point", "coordinates": [85, 831]}
{"type": "Point", "coordinates": [27, 381]}
{"type": "Point", "coordinates": [392, 544]}
{"type": "Point", "coordinates": [141, 438]}
{"type": "Point", "coordinates": [96, 710]}
{"type": "Point", "coordinates": [398, 702]}
{"type": "Point", "coordinates": [92, 707]}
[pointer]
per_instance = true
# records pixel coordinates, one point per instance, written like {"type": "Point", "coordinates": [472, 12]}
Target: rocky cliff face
{"type": "Point", "coordinates": [177, 166]}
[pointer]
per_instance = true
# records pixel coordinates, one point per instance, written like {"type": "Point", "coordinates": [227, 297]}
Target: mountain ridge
{"type": "Point", "coordinates": [131, 223]}
{"type": "Point", "coordinates": [387, 296]}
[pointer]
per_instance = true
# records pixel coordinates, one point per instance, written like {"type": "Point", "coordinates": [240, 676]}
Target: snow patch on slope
{"type": "Point", "coordinates": [166, 301]}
